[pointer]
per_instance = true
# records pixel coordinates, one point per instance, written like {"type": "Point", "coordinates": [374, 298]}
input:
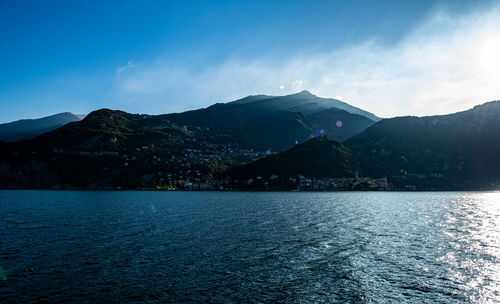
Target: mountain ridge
{"type": "Point", "coordinates": [29, 128]}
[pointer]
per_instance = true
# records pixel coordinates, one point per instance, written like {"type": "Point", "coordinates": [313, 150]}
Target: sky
{"type": "Point", "coordinates": [391, 58]}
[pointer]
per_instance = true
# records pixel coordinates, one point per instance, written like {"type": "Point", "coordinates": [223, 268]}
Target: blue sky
{"type": "Point", "coordinates": [164, 56]}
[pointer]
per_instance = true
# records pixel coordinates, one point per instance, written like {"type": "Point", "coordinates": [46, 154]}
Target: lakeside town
{"type": "Point", "coordinates": [295, 183]}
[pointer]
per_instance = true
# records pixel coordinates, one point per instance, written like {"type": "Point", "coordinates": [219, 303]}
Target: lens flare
{"type": "Point", "coordinates": [339, 123]}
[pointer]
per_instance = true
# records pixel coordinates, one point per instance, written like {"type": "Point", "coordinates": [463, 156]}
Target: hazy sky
{"type": "Point", "coordinates": [388, 57]}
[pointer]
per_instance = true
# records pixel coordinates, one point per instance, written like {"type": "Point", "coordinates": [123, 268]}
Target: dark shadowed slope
{"type": "Point", "coordinates": [317, 157]}
{"type": "Point", "coordinates": [338, 124]}
{"type": "Point", "coordinates": [29, 128]}
{"type": "Point", "coordinates": [460, 150]}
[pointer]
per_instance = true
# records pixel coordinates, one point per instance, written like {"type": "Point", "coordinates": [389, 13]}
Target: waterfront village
{"type": "Point", "coordinates": [191, 170]}
{"type": "Point", "coordinates": [294, 183]}
{"type": "Point", "coordinates": [188, 171]}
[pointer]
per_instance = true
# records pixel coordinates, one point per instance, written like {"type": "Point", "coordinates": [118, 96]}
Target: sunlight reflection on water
{"type": "Point", "coordinates": [375, 247]}
{"type": "Point", "coordinates": [473, 228]}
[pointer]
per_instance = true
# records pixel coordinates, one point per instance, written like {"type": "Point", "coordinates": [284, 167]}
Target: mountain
{"type": "Point", "coordinates": [270, 122]}
{"type": "Point", "coordinates": [304, 102]}
{"type": "Point", "coordinates": [114, 149]}
{"type": "Point", "coordinates": [29, 128]}
{"type": "Point", "coordinates": [316, 157]}
{"type": "Point", "coordinates": [455, 151]}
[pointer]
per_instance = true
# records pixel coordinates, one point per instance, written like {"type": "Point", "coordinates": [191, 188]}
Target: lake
{"type": "Point", "coordinates": [234, 247]}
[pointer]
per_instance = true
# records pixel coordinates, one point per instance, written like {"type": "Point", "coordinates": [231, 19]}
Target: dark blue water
{"type": "Point", "coordinates": [58, 246]}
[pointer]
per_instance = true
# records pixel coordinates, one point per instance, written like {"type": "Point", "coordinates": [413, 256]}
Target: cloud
{"type": "Point", "coordinates": [445, 64]}
{"type": "Point", "coordinates": [298, 84]}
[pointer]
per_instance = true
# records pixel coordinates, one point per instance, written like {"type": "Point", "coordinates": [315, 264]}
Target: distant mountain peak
{"type": "Point", "coordinates": [29, 128]}
{"type": "Point", "coordinates": [305, 93]}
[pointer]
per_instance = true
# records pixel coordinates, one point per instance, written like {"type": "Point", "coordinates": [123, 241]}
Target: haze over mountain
{"type": "Point", "coordinates": [303, 101]}
{"type": "Point", "coordinates": [389, 57]}
{"type": "Point", "coordinates": [29, 128]}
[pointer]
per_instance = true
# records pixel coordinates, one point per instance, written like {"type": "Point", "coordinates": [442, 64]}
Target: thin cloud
{"type": "Point", "coordinates": [445, 64]}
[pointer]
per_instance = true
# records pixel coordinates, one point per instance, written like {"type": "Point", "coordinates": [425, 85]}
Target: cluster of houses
{"type": "Point", "coordinates": [302, 183]}
{"type": "Point", "coordinates": [331, 184]}
{"type": "Point", "coordinates": [189, 168]}
{"type": "Point", "coordinates": [299, 183]}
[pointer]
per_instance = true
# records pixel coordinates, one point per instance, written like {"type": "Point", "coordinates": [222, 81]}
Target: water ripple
{"type": "Point", "coordinates": [159, 247]}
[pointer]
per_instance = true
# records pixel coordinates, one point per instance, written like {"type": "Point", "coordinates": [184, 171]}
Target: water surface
{"type": "Point", "coordinates": [378, 247]}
